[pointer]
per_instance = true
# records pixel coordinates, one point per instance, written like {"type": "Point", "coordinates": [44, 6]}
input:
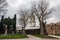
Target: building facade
{"type": "Point", "coordinates": [53, 28]}
{"type": "Point", "coordinates": [31, 27]}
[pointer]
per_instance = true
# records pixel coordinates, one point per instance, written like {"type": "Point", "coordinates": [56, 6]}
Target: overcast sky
{"type": "Point", "coordinates": [15, 4]}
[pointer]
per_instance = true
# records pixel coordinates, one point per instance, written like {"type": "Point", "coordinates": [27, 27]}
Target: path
{"type": "Point", "coordinates": [31, 38]}
{"type": "Point", "coordinates": [55, 36]}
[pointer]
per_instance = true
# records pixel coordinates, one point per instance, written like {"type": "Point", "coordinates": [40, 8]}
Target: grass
{"type": "Point", "coordinates": [44, 36]}
{"type": "Point", "coordinates": [15, 36]}
{"type": "Point", "coordinates": [57, 34]}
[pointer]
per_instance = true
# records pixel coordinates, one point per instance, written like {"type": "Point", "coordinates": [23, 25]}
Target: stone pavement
{"type": "Point", "coordinates": [55, 36]}
{"type": "Point", "coordinates": [31, 38]}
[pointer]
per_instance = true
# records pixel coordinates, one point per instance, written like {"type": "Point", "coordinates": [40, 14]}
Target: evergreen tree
{"type": "Point", "coordinates": [2, 25]}
{"type": "Point", "coordinates": [14, 23]}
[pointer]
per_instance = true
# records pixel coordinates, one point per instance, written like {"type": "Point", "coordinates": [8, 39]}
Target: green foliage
{"type": "Point", "coordinates": [8, 21]}
{"type": "Point", "coordinates": [13, 36]}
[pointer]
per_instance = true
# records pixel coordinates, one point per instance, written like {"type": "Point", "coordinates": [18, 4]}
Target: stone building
{"type": "Point", "coordinates": [31, 27]}
{"type": "Point", "coordinates": [31, 20]}
{"type": "Point", "coordinates": [53, 28]}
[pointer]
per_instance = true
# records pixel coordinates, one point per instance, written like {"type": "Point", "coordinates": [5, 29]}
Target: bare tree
{"type": "Point", "coordinates": [42, 11]}
{"type": "Point", "coordinates": [23, 19]}
{"type": "Point", "coordinates": [3, 7]}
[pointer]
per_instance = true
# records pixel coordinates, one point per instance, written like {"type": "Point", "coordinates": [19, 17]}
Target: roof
{"type": "Point", "coordinates": [27, 27]}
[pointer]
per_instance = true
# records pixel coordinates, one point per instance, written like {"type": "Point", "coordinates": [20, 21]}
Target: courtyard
{"type": "Point", "coordinates": [31, 38]}
{"type": "Point", "coordinates": [29, 20]}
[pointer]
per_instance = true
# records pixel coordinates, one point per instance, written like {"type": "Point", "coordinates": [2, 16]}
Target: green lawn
{"type": "Point", "coordinates": [13, 36]}
{"type": "Point", "coordinates": [44, 36]}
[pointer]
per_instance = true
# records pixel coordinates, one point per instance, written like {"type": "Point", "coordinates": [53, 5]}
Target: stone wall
{"type": "Point", "coordinates": [53, 28]}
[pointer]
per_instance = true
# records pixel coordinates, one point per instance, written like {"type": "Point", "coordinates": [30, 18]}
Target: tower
{"type": "Point", "coordinates": [32, 20]}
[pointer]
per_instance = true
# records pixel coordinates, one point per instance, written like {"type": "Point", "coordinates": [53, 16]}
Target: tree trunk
{"type": "Point", "coordinates": [45, 31]}
{"type": "Point", "coordinates": [5, 30]}
{"type": "Point", "coordinates": [12, 32]}
{"type": "Point", "coordinates": [23, 30]}
{"type": "Point", "coordinates": [41, 27]}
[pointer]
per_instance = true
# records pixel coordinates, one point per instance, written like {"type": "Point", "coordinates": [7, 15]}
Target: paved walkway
{"type": "Point", "coordinates": [55, 36]}
{"type": "Point", "coordinates": [31, 38]}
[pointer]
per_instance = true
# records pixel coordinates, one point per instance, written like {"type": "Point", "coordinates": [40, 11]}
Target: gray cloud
{"type": "Point", "coordinates": [26, 4]}
{"type": "Point", "coordinates": [55, 16]}
{"type": "Point", "coordinates": [11, 12]}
